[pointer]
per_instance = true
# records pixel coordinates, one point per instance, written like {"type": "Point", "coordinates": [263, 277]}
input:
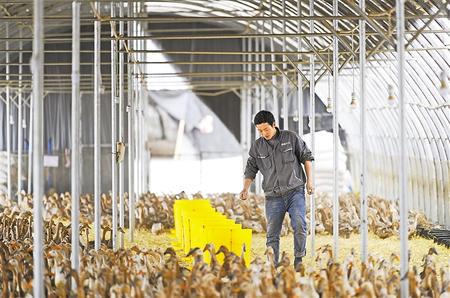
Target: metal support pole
{"type": "Point", "coordinates": [276, 112]}
{"type": "Point", "coordinates": [37, 68]}
{"type": "Point", "coordinates": [142, 160]}
{"type": "Point", "coordinates": [19, 123]}
{"type": "Point", "coordinates": [130, 135]}
{"type": "Point", "coordinates": [113, 128]}
{"type": "Point", "coordinates": [249, 97]}
{"type": "Point", "coordinates": [299, 75]}
{"type": "Point", "coordinates": [138, 138]}
{"type": "Point", "coordinates": [404, 262]}
{"type": "Point", "coordinates": [362, 82]}
{"type": "Point", "coordinates": [312, 125]}
{"type": "Point", "coordinates": [30, 147]}
{"type": "Point", "coordinates": [121, 125]}
{"type": "Point", "coordinates": [285, 84]}
{"type": "Point", "coordinates": [244, 107]}
{"type": "Point", "coordinates": [8, 118]}
{"type": "Point", "coordinates": [256, 108]}
{"type": "Point", "coordinates": [263, 67]}
{"type": "Point", "coordinates": [76, 140]}
{"type": "Point", "coordinates": [335, 134]}
{"type": "Point", "coordinates": [97, 109]}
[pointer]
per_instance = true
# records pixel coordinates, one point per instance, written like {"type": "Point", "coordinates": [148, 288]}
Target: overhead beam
{"type": "Point", "coordinates": [181, 19]}
{"type": "Point", "coordinates": [371, 21]}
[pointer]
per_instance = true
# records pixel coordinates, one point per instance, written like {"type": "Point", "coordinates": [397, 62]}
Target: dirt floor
{"type": "Point", "coordinates": [377, 247]}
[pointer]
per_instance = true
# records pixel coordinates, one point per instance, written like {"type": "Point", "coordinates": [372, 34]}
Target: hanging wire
{"type": "Point", "coordinates": [329, 77]}
{"type": "Point", "coordinates": [329, 105]}
{"type": "Point", "coordinates": [353, 102]}
{"type": "Point", "coordinates": [353, 67]}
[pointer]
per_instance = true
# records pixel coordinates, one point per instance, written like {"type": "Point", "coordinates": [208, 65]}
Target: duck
{"type": "Point", "coordinates": [214, 263]}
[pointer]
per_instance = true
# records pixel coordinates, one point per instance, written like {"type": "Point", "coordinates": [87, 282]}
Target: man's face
{"type": "Point", "coordinates": [266, 130]}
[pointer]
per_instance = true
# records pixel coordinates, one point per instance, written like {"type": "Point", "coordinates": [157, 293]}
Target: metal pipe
{"type": "Point", "coordinates": [276, 112]}
{"type": "Point", "coordinates": [142, 161]}
{"type": "Point", "coordinates": [249, 101]}
{"type": "Point", "coordinates": [299, 75]}
{"type": "Point", "coordinates": [58, 39]}
{"type": "Point", "coordinates": [335, 134]}
{"type": "Point", "coordinates": [183, 19]}
{"type": "Point", "coordinates": [362, 82]}
{"type": "Point", "coordinates": [147, 149]}
{"type": "Point", "coordinates": [312, 125]}
{"type": "Point", "coordinates": [76, 141]}
{"type": "Point", "coordinates": [179, 63]}
{"type": "Point", "coordinates": [263, 66]}
{"type": "Point", "coordinates": [130, 136]}
{"type": "Point", "coordinates": [256, 106]}
{"type": "Point", "coordinates": [404, 258]}
{"type": "Point", "coordinates": [37, 67]}
{"type": "Point", "coordinates": [19, 125]}
{"type": "Point", "coordinates": [285, 84]}
{"type": "Point", "coordinates": [97, 122]}
{"type": "Point", "coordinates": [121, 126]}
{"type": "Point", "coordinates": [113, 128]}
{"type": "Point", "coordinates": [30, 147]}
{"type": "Point", "coordinates": [138, 159]}
{"type": "Point", "coordinates": [187, 52]}
{"type": "Point", "coordinates": [244, 108]}
{"type": "Point", "coordinates": [8, 120]}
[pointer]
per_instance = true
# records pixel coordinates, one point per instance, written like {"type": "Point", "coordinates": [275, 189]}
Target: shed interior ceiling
{"type": "Point", "coordinates": [209, 37]}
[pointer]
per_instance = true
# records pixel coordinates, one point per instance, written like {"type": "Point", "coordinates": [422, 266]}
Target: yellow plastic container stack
{"type": "Point", "coordinates": [197, 223]}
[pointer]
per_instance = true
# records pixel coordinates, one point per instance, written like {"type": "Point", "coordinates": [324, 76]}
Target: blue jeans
{"type": "Point", "coordinates": [276, 208]}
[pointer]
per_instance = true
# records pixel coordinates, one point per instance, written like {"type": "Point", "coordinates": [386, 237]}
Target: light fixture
{"type": "Point", "coordinates": [329, 101]}
{"type": "Point", "coordinates": [444, 88]}
{"type": "Point", "coordinates": [295, 118]}
{"type": "Point", "coordinates": [11, 120]}
{"type": "Point", "coordinates": [329, 105]}
{"type": "Point", "coordinates": [354, 101]}
{"type": "Point", "coordinates": [24, 123]}
{"type": "Point", "coordinates": [391, 95]}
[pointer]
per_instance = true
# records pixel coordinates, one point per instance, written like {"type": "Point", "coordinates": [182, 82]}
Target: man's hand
{"type": "Point", "coordinates": [244, 194]}
{"type": "Point", "coordinates": [309, 187]}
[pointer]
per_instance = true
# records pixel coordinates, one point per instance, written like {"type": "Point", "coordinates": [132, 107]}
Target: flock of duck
{"type": "Point", "coordinates": [156, 212]}
{"type": "Point", "coordinates": [161, 272]}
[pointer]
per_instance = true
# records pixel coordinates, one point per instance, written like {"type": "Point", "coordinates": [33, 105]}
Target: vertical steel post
{"type": "Point", "coordinates": [30, 147]}
{"type": "Point", "coordinates": [244, 105]}
{"type": "Point", "coordinates": [76, 141]}
{"type": "Point", "coordinates": [121, 125]}
{"type": "Point", "coordinates": [404, 262]}
{"type": "Point", "coordinates": [97, 122]}
{"type": "Point", "coordinates": [37, 68]}
{"type": "Point", "coordinates": [113, 127]}
{"type": "Point", "coordinates": [19, 122]}
{"type": "Point", "coordinates": [8, 116]}
{"type": "Point", "coordinates": [263, 67]}
{"type": "Point", "coordinates": [312, 125]}
{"type": "Point", "coordinates": [362, 82]}
{"type": "Point", "coordinates": [276, 112]}
{"type": "Point", "coordinates": [131, 191]}
{"type": "Point", "coordinates": [299, 76]}
{"type": "Point", "coordinates": [335, 132]}
{"type": "Point", "coordinates": [285, 84]}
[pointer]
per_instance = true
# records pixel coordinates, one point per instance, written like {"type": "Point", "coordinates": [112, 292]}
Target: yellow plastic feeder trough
{"type": "Point", "coordinates": [197, 223]}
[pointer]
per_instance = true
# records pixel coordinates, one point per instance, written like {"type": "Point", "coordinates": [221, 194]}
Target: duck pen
{"type": "Point", "coordinates": [152, 148]}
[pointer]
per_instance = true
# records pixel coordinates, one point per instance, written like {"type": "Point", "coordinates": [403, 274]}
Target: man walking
{"type": "Point", "coordinates": [278, 154]}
